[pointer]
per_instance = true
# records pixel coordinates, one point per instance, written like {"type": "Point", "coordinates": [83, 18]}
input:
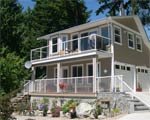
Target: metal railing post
{"type": "Point", "coordinates": [75, 85]}
{"type": "Point", "coordinates": [121, 83]}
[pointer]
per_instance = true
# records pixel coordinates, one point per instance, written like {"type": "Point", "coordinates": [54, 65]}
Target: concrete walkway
{"type": "Point", "coordinates": [133, 116]}
{"type": "Point", "coordinates": [136, 116]}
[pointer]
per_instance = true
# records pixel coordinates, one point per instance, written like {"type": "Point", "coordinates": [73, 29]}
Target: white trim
{"type": "Point", "coordinates": [52, 44]}
{"type": "Point", "coordinates": [123, 64]}
{"type": "Point", "coordinates": [129, 33]}
{"type": "Point", "coordinates": [61, 42]}
{"type": "Point", "coordinates": [120, 30]}
{"type": "Point", "coordinates": [140, 43]}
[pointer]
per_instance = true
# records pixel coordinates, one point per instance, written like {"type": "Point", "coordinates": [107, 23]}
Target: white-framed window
{"type": "Point", "coordinates": [64, 43]}
{"type": "Point", "coordinates": [138, 44]}
{"type": "Point", "coordinates": [131, 40]}
{"type": "Point", "coordinates": [54, 44]}
{"type": "Point", "coordinates": [117, 35]}
{"type": "Point", "coordinates": [74, 41]}
{"type": "Point", "coordinates": [77, 71]}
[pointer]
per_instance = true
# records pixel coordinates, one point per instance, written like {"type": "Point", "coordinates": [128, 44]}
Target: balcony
{"type": "Point", "coordinates": [80, 46]}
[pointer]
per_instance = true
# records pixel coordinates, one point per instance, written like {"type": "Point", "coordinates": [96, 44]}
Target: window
{"type": "Point", "coordinates": [77, 71]}
{"type": "Point", "coordinates": [146, 71]}
{"type": "Point", "coordinates": [106, 33]}
{"type": "Point", "coordinates": [130, 40]}
{"type": "Point", "coordinates": [54, 44]}
{"type": "Point", "coordinates": [138, 44]}
{"type": "Point", "coordinates": [139, 70]}
{"type": "Point", "coordinates": [117, 35]}
{"type": "Point", "coordinates": [122, 67]}
{"type": "Point", "coordinates": [117, 66]}
{"type": "Point", "coordinates": [142, 70]}
{"type": "Point", "coordinates": [128, 68]}
{"type": "Point", "coordinates": [64, 42]}
{"type": "Point", "coordinates": [75, 42]}
{"type": "Point", "coordinates": [90, 70]}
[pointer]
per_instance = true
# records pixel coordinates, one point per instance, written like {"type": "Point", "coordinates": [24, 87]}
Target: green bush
{"type": "Point", "coordinates": [68, 104]}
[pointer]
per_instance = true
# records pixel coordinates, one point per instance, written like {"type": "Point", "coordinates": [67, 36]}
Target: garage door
{"type": "Point", "coordinates": [128, 74]}
{"type": "Point", "coordinates": [143, 77]}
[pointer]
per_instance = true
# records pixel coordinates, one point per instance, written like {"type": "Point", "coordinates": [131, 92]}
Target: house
{"type": "Point", "coordinates": [100, 56]}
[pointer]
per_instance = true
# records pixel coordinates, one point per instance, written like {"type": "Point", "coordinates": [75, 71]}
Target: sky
{"type": "Point", "coordinates": [91, 5]}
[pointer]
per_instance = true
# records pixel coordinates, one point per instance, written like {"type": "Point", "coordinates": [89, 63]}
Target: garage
{"type": "Point", "coordinates": [143, 78]}
{"type": "Point", "coordinates": [128, 74]}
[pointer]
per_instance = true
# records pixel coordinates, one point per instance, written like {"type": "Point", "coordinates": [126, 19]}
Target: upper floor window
{"type": "Point", "coordinates": [54, 44]}
{"type": "Point", "coordinates": [117, 35]}
{"type": "Point", "coordinates": [130, 40]}
{"type": "Point", "coordinates": [138, 43]}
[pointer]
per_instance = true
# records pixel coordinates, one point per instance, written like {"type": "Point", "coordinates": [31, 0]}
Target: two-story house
{"type": "Point", "coordinates": [94, 57]}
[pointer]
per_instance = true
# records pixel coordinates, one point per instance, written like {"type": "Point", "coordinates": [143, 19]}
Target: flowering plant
{"type": "Point", "coordinates": [61, 85]}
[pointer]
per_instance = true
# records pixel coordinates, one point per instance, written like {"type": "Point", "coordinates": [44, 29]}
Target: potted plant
{"type": "Point", "coordinates": [139, 87]}
{"type": "Point", "coordinates": [61, 86]}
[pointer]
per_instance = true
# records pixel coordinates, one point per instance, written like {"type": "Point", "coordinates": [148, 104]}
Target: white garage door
{"type": "Point", "coordinates": [143, 77]}
{"type": "Point", "coordinates": [128, 74]}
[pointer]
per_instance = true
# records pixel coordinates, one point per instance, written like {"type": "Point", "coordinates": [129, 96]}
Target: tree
{"type": "Point", "coordinates": [10, 19]}
{"type": "Point", "coordinates": [54, 15]}
{"type": "Point", "coordinates": [127, 7]}
{"type": "Point", "coordinates": [12, 73]}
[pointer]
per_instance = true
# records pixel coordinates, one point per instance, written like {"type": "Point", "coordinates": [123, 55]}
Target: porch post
{"type": "Point", "coordinates": [112, 59]}
{"type": "Point", "coordinates": [135, 78]}
{"type": "Point", "coordinates": [58, 76]}
{"type": "Point", "coordinates": [33, 80]}
{"type": "Point", "coordinates": [94, 74]}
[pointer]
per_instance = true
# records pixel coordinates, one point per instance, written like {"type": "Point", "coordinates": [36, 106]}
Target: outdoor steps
{"type": "Point", "coordinates": [139, 106]}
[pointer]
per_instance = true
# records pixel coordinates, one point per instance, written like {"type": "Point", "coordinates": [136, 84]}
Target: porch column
{"type": "Point", "coordinates": [58, 76]}
{"type": "Point", "coordinates": [33, 79]}
{"type": "Point", "coordinates": [94, 74]}
{"type": "Point", "coordinates": [112, 58]}
{"type": "Point", "coordinates": [135, 79]}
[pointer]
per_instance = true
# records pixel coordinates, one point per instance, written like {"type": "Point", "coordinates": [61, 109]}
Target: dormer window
{"type": "Point", "coordinates": [131, 40]}
{"type": "Point", "coordinates": [138, 44]}
{"type": "Point", "coordinates": [117, 35]}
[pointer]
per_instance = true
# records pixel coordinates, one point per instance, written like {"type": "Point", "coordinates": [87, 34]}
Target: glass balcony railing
{"type": "Point", "coordinates": [79, 45]}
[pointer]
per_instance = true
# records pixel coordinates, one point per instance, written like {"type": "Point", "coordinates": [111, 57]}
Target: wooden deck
{"type": "Point", "coordinates": [67, 95]}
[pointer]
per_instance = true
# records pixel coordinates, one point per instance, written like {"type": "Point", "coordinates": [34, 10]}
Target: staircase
{"type": "Point", "coordinates": [140, 102]}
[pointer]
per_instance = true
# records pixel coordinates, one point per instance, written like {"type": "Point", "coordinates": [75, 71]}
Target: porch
{"type": "Point", "coordinates": [77, 85]}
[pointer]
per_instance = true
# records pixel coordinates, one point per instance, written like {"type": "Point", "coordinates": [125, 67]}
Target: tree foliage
{"type": "Point", "coordinates": [19, 30]}
{"type": "Point", "coordinates": [53, 15]}
{"type": "Point", "coordinates": [12, 72]}
{"type": "Point", "coordinates": [127, 7]}
{"type": "Point", "coordinates": [10, 20]}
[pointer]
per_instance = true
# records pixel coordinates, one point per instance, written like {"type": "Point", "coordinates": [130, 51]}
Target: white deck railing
{"type": "Point", "coordinates": [73, 46]}
{"type": "Point", "coordinates": [78, 85]}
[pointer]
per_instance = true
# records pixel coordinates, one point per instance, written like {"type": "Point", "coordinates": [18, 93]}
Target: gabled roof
{"type": "Point", "coordinates": [99, 22]}
{"type": "Point", "coordinates": [75, 28]}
